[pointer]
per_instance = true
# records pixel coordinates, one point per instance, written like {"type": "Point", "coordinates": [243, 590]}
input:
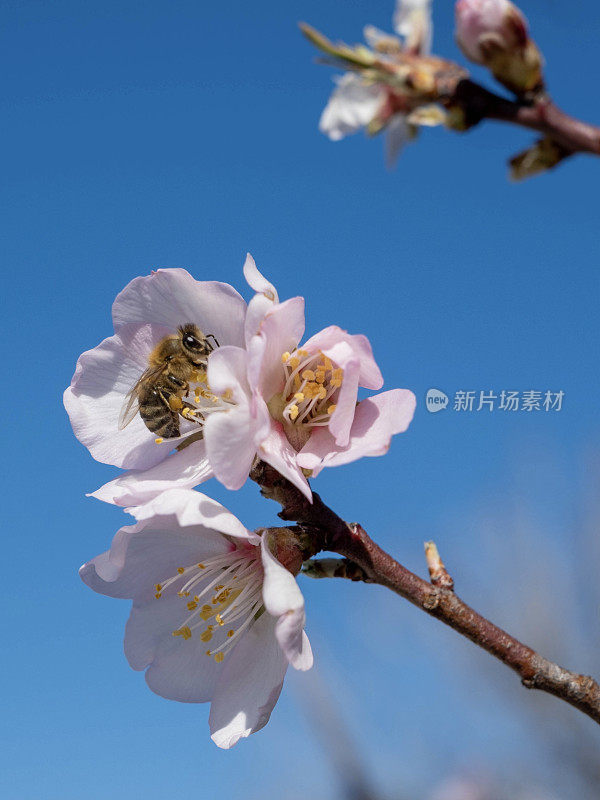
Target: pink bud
{"type": "Point", "coordinates": [495, 33]}
{"type": "Point", "coordinates": [480, 23]}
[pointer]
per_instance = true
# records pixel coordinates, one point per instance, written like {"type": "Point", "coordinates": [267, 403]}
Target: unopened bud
{"type": "Point", "coordinates": [495, 33]}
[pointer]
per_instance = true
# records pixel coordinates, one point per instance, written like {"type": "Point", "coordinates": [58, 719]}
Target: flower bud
{"type": "Point", "coordinates": [495, 33]}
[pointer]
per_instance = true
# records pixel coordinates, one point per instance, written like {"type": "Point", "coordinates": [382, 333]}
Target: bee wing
{"type": "Point", "coordinates": [131, 406]}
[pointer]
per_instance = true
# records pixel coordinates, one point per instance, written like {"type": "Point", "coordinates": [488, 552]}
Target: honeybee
{"type": "Point", "coordinates": [159, 395]}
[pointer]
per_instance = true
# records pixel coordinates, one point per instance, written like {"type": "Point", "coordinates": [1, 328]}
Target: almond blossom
{"type": "Point", "coordinates": [360, 103]}
{"type": "Point", "coordinates": [294, 406]}
{"type": "Point", "coordinates": [259, 394]}
{"type": "Point", "coordinates": [148, 309]}
{"type": "Point", "coordinates": [215, 618]}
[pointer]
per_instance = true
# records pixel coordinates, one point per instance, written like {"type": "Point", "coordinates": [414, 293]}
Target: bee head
{"type": "Point", "coordinates": [194, 341]}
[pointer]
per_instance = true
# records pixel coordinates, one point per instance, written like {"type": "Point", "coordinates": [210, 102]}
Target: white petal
{"type": "Point", "coordinates": [249, 685]}
{"type": "Point", "coordinates": [177, 669]}
{"type": "Point", "coordinates": [182, 470]}
{"type": "Point", "coordinates": [412, 20]}
{"type": "Point", "coordinates": [188, 509]}
{"type": "Point", "coordinates": [172, 297]}
{"type": "Point", "coordinates": [257, 281]}
{"type": "Point", "coordinates": [102, 381]}
{"type": "Point", "coordinates": [145, 554]}
{"type": "Point", "coordinates": [352, 106]}
{"type": "Point", "coordinates": [283, 599]}
{"type": "Point", "coordinates": [397, 133]}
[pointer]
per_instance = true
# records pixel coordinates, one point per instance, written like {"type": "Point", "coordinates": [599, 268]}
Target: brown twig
{"type": "Point", "coordinates": [540, 115]}
{"type": "Point", "coordinates": [329, 532]}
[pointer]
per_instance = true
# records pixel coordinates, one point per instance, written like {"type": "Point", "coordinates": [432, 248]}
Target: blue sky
{"type": "Point", "coordinates": [150, 134]}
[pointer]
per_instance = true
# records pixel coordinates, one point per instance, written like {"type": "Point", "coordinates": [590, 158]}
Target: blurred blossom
{"type": "Point", "coordinates": [360, 102]}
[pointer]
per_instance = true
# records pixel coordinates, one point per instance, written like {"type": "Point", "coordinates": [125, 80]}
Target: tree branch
{"type": "Point", "coordinates": [329, 532]}
{"type": "Point", "coordinates": [540, 115]}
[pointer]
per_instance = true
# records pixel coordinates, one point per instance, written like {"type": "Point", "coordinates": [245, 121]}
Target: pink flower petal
{"type": "Point", "coordinates": [280, 331]}
{"type": "Point", "coordinates": [370, 375]}
{"type": "Point", "coordinates": [172, 297]}
{"type": "Point", "coordinates": [227, 373]}
{"type": "Point", "coordinates": [249, 685]}
{"type": "Point", "coordinates": [183, 470]}
{"type": "Point", "coordinates": [376, 420]}
{"type": "Point", "coordinates": [230, 445]}
{"type": "Point", "coordinates": [278, 452]}
{"type": "Point", "coordinates": [283, 599]}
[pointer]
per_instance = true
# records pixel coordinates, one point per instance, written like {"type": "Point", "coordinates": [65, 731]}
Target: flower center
{"type": "Point", "coordinates": [219, 592]}
{"type": "Point", "coordinates": [311, 386]}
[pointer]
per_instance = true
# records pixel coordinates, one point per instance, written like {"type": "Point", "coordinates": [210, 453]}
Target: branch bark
{"type": "Point", "coordinates": [540, 115]}
{"type": "Point", "coordinates": [329, 532]}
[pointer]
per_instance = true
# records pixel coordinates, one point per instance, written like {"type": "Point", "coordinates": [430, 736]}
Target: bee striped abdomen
{"type": "Point", "coordinates": [157, 416]}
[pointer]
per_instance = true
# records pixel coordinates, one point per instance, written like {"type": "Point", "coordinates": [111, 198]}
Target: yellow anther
{"type": "Point", "coordinates": [196, 598]}
{"type": "Point", "coordinates": [206, 635]}
{"type": "Point", "coordinates": [159, 440]}
{"type": "Point", "coordinates": [294, 362]}
{"type": "Point", "coordinates": [227, 394]}
{"type": "Point", "coordinates": [331, 408]}
{"type": "Point", "coordinates": [207, 653]}
{"type": "Point", "coordinates": [158, 595]}
{"type": "Point", "coordinates": [338, 374]}
{"type": "Point", "coordinates": [284, 357]}
{"type": "Point", "coordinates": [299, 396]}
{"type": "Point", "coordinates": [326, 362]}
{"type": "Point", "coordinates": [158, 586]}
{"type": "Point", "coordinates": [294, 411]}
{"type": "Point", "coordinates": [297, 382]}
{"type": "Point", "coordinates": [181, 570]}
{"type": "Point", "coordinates": [206, 612]}
{"type": "Point", "coordinates": [230, 633]}
{"type": "Point", "coordinates": [219, 657]}
{"type": "Point", "coordinates": [320, 376]}
{"type": "Point", "coordinates": [201, 566]}
{"type": "Point", "coordinates": [308, 375]}
{"type": "Point", "coordinates": [186, 412]}
{"type": "Point", "coordinates": [322, 393]}
{"type": "Point", "coordinates": [218, 619]}
{"type": "Point", "coordinates": [302, 353]}
{"type": "Point", "coordinates": [184, 631]}
{"type": "Point", "coordinates": [192, 605]}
